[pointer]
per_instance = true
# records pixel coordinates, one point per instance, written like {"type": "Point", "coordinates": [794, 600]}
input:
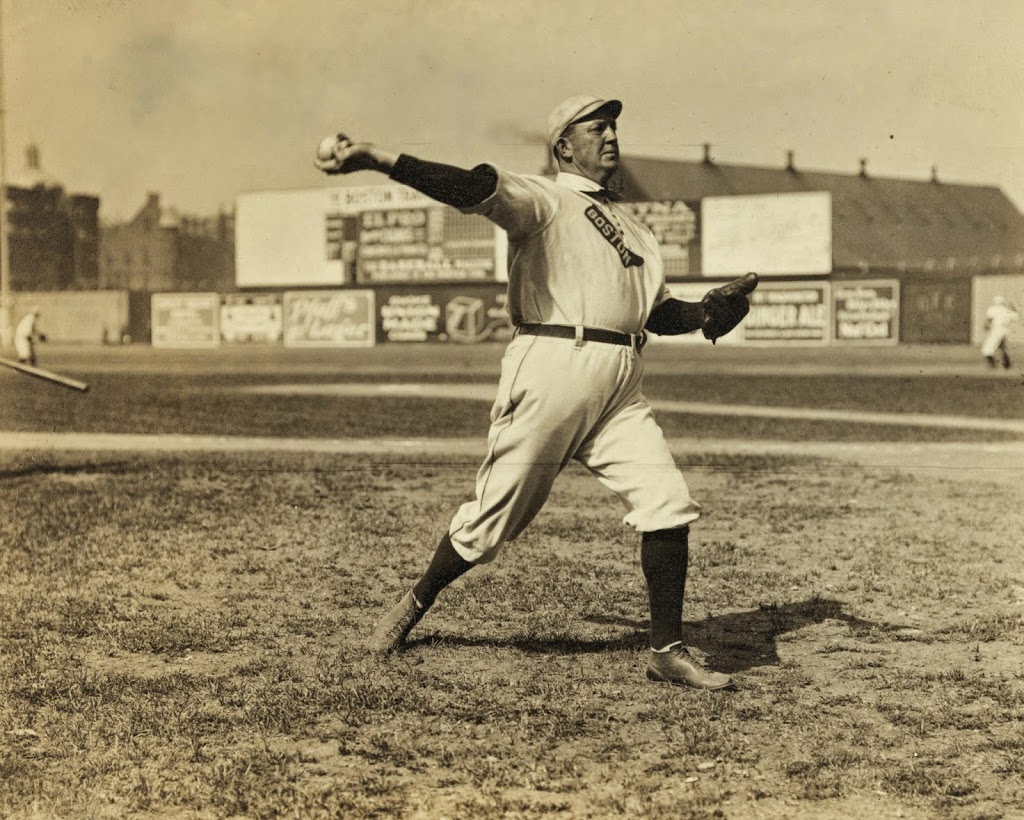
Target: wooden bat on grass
{"type": "Point", "coordinates": [46, 375]}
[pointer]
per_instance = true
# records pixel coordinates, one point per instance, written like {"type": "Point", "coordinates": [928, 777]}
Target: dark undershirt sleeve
{"type": "Point", "coordinates": [446, 183]}
{"type": "Point", "coordinates": [674, 317]}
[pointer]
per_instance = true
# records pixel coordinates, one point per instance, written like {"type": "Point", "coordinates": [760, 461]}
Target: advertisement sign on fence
{"type": "Point", "coordinates": [251, 318]}
{"type": "Point", "coordinates": [465, 314]}
{"type": "Point", "coordinates": [788, 313]}
{"type": "Point", "coordinates": [186, 319]}
{"type": "Point", "coordinates": [866, 312]}
{"type": "Point", "coordinates": [329, 318]}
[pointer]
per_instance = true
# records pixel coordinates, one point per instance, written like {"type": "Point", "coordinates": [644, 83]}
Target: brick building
{"type": "Point", "coordinates": [54, 236]}
{"type": "Point", "coordinates": [160, 249]}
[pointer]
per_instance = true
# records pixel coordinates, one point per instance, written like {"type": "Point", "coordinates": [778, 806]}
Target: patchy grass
{"type": "Point", "coordinates": [183, 636]}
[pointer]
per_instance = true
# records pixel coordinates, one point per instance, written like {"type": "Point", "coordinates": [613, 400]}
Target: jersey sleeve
{"type": "Point", "coordinates": [662, 297]}
{"type": "Point", "coordinates": [521, 204]}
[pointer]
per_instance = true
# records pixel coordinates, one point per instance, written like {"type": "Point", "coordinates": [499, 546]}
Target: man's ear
{"type": "Point", "coordinates": [563, 149]}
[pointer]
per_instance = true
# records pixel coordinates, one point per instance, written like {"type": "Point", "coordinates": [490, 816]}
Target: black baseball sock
{"type": "Point", "coordinates": [663, 558]}
{"type": "Point", "coordinates": [445, 567]}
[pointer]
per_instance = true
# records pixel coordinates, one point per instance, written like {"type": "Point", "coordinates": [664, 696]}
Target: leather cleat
{"type": "Point", "coordinates": [392, 631]}
{"type": "Point", "coordinates": [678, 667]}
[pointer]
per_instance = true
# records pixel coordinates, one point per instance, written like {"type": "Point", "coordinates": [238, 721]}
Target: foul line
{"type": "Point", "coordinates": [487, 392]}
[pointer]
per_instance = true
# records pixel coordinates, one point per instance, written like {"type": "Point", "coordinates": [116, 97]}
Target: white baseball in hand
{"type": "Point", "coordinates": [325, 151]}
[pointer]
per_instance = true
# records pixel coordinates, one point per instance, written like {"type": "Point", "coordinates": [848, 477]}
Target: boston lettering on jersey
{"type": "Point", "coordinates": [611, 234]}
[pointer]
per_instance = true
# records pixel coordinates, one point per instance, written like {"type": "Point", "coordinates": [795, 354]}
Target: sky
{"type": "Point", "coordinates": [200, 100]}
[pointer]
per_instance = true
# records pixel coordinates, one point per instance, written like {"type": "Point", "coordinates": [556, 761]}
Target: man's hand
{"type": "Point", "coordinates": [346, 157]}
{"type": "Point", "coordinates": [723, 308]}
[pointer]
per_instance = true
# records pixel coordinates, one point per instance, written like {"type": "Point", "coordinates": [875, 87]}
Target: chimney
{"type": "Point", "coordinates": [32, 157]}
{"type": "Point", "coordinates": [863, 168]}
{"type": "Point", "coordinates": [707, 154]}
{"type": "Point", "coordinates": [935, 173]}
{"type": "Point", "coordinates": [790, 166]}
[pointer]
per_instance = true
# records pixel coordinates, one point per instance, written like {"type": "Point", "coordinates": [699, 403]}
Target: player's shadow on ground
{"type": "Point", "coordinates": [732, 642]}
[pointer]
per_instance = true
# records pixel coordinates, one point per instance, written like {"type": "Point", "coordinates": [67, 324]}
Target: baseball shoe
{"type": "Point", "coordinates": [677, 666]}
{"type": "Point", "coordinates": [392, 631]}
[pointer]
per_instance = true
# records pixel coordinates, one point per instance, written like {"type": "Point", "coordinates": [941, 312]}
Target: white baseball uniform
{"type": "Point", "coordinates": [580, 260]}
{"type": "Point", "coordinates": [24, 338]}
{"type": "Point", "coordinates": [998, 317]}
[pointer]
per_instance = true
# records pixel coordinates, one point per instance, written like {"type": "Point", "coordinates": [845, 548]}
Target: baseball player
{"type": "Point", "coordinates": [586, 283]}
{"type": "Point", "coordinates": [998, 319]}
{"type": "Point", "coordinates": [25, 337]}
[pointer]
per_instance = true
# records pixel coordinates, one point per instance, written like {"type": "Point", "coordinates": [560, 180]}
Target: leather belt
{"type": "Point", "coordinates": [586, 334]}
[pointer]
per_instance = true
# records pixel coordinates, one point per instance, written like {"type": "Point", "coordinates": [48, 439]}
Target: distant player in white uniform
{"type": "Point", "coordinates": [586, 282]}
{"type": "Point", "coordinates": [998, 319]}
{"type": "Point", "coordinates": [26, 334]}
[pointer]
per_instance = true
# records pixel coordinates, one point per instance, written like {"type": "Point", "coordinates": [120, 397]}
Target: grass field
{"type": "Point", "coordinates": [181, 634]}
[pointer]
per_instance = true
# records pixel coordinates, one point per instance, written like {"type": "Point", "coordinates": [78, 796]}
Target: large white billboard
{"type": "Point", "coordinates": [368, 235]}
{"type": "Point", "coordinates": [770, 234]}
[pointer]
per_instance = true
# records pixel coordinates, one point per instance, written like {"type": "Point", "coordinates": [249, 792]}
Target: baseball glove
{"type": "Point", "coordinates": [723, 308]}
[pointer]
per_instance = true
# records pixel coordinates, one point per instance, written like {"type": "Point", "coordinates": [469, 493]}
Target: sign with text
{"type": "Point", "coordinates": [771, 234]}
{"type": "Point", "coordinates": [463, 314]}
{"type": "Point", "coordinates": [675, 225]}
{"type": "Point", "coordinates": [797, 312]}
{"type": "Point", "coordinates": [434, 244]}
{"type": "Point", "coordinates": [379, 234]}
{"type": "Point", "coordinates": [186, 319]}
{"type": "Point", "coordinates": [251, 318]}
{"type": "Point", "coordinates": [329, 318]}
{"type": "Point", "coordinates": [866, 312]}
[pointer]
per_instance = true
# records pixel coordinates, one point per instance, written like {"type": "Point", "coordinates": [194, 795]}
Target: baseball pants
{"type": "Point", "coordinates": [558, 400]}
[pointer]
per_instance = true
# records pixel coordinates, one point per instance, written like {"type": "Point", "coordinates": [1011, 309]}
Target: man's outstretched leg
{"type": "Point", "coordinates": [664, 555]}
{"type": "Point", "coordinates": [445, 567]}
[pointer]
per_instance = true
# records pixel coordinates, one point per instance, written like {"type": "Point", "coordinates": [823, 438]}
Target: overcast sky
{"type": "Point", "coordinates": [202, 99]}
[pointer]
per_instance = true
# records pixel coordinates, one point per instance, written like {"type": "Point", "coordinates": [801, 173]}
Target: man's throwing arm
{"type": "Point", "coordinates": [444, 183]}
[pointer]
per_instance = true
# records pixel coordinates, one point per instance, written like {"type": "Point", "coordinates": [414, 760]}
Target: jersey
{"type": "Point", "coordinates": [578, 260]}
{"type": "Point", "coordinates": [575, 256]}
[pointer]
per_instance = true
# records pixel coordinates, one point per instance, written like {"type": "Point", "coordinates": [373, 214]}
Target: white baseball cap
{"type": "Point", "coordinates": [574, 109]}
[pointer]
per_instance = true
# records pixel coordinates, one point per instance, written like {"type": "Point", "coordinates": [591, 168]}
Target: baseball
{"type": "Point", "coordinates": [326, 149]}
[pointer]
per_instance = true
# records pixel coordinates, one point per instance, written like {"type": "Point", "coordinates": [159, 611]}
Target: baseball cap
{"type": "Point", "coordinates": [574, 109]}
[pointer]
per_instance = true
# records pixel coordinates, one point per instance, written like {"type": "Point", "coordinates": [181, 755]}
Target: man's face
{"type": "Point", "coordinates": [595, 148]}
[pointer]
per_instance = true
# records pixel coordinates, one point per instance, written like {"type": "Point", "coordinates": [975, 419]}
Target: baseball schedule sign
{"type": "Point", "coordinates": [436, 244]}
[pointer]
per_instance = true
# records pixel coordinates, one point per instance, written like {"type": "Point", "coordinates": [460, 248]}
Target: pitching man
{"type": "Point", "coordinates": [586, 283]}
